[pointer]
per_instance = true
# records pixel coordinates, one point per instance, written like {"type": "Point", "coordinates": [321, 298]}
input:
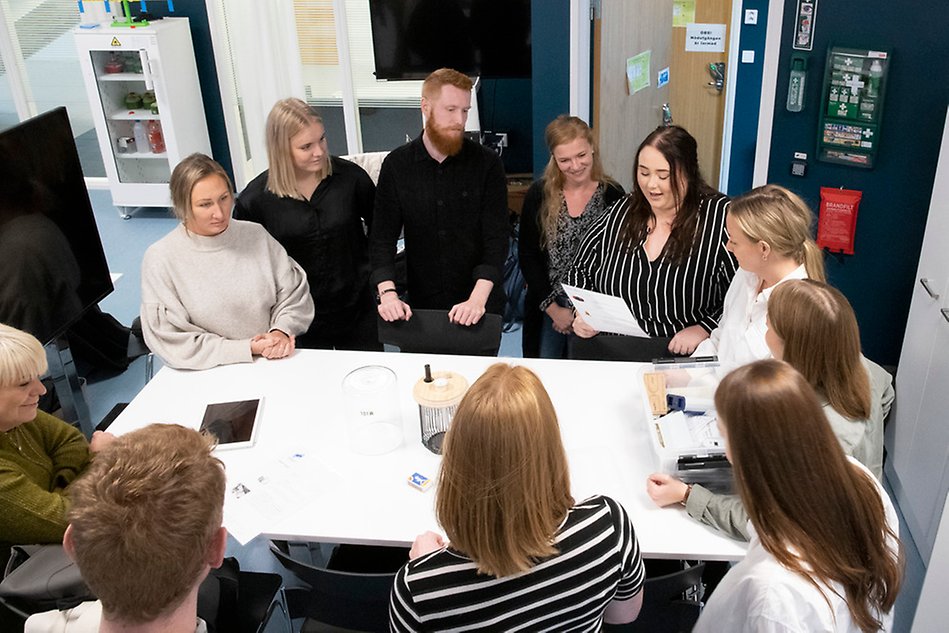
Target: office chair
{"type": "Point", "coordinates": [614, 347]}
{"type": "Point", "coordinates": [430, 332]}
{"type": "Point", "coordinates": [671, 604]}
{"type": "Point", "coordinates": [356, 601]}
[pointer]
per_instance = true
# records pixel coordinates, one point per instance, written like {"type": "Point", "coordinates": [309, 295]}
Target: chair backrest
{"type": "Point", "coordinates": [664, 608]}
{"type": "Point", "coordinates": [624, 348]}
{"type": "Point", "coordinates": [349, 600]}
{"type": "Point", "coordinates": [430, 332]}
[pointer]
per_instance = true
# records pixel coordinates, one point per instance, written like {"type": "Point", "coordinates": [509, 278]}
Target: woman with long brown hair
{"type": "Point", "coordinates": [812, 327]}
{"type": "Point", "coordinates": [825, 554]}
{"type": "Point", "coordinates": [662, 249]}
{"type": "Point", "coordinates": [558, 210]}
{"type": "Point", "coordinates": [521, 552]}
{"type": "Point", "coordinates": [769, 233]}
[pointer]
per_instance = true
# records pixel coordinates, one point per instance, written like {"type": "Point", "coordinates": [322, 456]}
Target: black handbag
{"type": "Point", "coordinates": [41, 578]}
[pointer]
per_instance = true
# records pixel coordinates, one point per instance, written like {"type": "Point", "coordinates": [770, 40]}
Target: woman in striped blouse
{"type": "Point", "coordinates": [522, 554]}
{"type": "Point", "coordinates": [662, 249]}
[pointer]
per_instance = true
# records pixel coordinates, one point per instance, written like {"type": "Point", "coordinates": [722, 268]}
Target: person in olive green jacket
{"type": "Point", "coordinates": [40, 455]}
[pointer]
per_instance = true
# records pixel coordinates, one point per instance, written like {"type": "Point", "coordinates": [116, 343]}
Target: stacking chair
{"type": "Point", "coordinates": [430, 332]}
{"type": "Point", "coordinates": [672, 604]}
{"type": "Point", "coordinates": [349, 600]}
{"type": "Point", "coordinates": [611, 347]}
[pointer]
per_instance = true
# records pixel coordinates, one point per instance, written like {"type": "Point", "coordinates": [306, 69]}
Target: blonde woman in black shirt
{"type": "Point", "coordinates": [318, 207]}
{"type": "Point", "coordinates": [558, 210]}
{"type": "Point", "coordinates": [662, 249]}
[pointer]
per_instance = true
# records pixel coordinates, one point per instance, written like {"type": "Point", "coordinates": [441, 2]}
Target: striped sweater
{"type": "Point", "coordinates": [664, 296]}
{"type": "Point", "coordinates": [599, 561]}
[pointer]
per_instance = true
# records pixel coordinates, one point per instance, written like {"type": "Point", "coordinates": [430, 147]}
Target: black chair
{"type": "Point", "coordinates": [430, 332]}
{"type": "Point", "coordinates": [613, 347]}
{"type": "Point", "coordinates": [355, 601]}
{"type": "Point", "coordinates": [671, 604]}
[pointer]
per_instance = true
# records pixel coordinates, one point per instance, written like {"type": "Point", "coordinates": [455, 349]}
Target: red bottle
{"type": "Point", "coordinates": [155, 138]}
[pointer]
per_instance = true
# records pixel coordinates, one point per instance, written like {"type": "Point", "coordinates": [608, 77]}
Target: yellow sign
{"type": "Point", "coordinates": [683, 12]}
{"type": "Point", "coordinates": [116, 42]}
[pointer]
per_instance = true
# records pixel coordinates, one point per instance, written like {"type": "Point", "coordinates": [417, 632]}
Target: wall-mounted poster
{"type": "Point", "coordinates": [804, 21]}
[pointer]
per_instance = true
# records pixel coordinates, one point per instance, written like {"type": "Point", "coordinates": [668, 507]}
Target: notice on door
{"type": "Point", "coordinates": [705, 38]}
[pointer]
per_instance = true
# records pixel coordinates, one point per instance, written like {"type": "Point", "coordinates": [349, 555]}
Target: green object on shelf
{"type": "Point", "coordinates": [133, 101]}
{"type": "Point", "coordinates": [148, 98]}
{"type": "Point", "coordinates": [128, 17]}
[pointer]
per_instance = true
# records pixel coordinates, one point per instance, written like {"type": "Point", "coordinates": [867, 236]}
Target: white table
{"type": "Point", "coordinates": [367, 500]}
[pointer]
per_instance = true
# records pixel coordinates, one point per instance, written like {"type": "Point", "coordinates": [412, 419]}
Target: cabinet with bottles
{"type": "Point", "coordinates": [143, 86]}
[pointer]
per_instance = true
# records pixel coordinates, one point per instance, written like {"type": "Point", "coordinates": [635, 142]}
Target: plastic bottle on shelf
{"type": "Point", "coordinates": [141, 137]}
{"type": "Point", "coordinates": [155, 138]}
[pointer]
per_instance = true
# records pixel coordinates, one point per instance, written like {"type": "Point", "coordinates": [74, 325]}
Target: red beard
{"type": "Point", "coordinates": [446, 140]}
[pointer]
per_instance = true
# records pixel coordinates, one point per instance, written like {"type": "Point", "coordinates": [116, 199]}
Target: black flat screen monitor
{"type": "Point", "coordinates": [487, 38]}
{"type": "Point", "coordinates": [52, 266]}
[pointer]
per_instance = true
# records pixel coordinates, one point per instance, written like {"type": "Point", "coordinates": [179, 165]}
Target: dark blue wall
{"type": "Point", "coordinates": [747, 98]}
{"type": "Point", "coordinates": [197, 14]}
{"type": "Point", "coordinates": [878, 279]}
{"type": "Point", "coordinates": [550, 41]}
{"type": "Point", "coordinates": [505, 106]}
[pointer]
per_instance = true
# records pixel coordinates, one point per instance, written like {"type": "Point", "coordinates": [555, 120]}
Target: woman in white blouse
{"type": "Point", "coordinates": [769, 233]}
{"type": "Point", "coordinates": [824, 553]}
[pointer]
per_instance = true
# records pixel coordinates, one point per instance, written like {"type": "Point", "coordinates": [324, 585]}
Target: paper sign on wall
{"type": "Point", "coordinates": [637, 72]}
{"type": "Point", "coordinates": [705, 38]}
{"type": "Point", "coordinates": [683, 12]}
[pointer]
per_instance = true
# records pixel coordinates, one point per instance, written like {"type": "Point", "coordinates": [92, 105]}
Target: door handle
{"type": "Point", "coordinates": [666, 115]}
{"type": "Point", "coordinates": [717, 71]}
{"type": "Point", "coordinates": [925, 283]}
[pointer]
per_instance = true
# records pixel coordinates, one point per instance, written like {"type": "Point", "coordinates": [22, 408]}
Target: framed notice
{"type": "Point", "coordinates": [804, 25]}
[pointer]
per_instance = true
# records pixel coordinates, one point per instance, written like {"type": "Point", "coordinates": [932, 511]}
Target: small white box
{"type": "Point", "coordinates": [748, 57]}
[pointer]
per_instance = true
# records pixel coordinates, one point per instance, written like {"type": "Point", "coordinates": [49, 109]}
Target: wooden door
{"type": "Point", "coordinates": [622, 120]}
{"type": "Point", "coordinates": [696, 106]}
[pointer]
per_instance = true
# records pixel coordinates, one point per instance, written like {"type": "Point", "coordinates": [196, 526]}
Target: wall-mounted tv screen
{"type": "Point", "coordinates": [487, 38]}
{"type": "Point", "coordinates": [52, 266]}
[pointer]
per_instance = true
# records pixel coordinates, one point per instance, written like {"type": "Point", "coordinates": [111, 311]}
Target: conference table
{"type": "Point", "coordinates": [319, 489]}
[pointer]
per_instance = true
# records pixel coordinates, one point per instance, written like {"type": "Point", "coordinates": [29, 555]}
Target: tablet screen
{"type": "Point", "coordinates": [234, 424]}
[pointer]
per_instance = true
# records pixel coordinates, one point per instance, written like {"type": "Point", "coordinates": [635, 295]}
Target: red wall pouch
{"type": "Point", "coordinates": [837, 221]}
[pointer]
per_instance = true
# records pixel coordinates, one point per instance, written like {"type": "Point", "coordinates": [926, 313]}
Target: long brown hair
{"type": "Point", "coordinates": [564, 129]}
{"type": "Point", "coordinates": [822, 341]}
{"type": "Point", "coordinates": [504, 486]}
{"type": "Point", "coordinates": [779, 217]}
{"type": "Point", "coordinates": [680, 150]}
{"type": "Point", "coordinates": [816, 513]}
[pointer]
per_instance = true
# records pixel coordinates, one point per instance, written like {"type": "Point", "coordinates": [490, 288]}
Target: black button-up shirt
{"type": "Point", "coordinates": [324, 235]}
{"type": "Point", "coordinates": [454, 216]}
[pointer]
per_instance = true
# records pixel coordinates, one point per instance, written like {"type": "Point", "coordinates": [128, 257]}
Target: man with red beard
{"type": "Point", "coordinates": [448, 195]}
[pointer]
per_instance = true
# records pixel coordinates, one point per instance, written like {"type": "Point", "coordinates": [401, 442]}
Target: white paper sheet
{"type": "Point", "coordinates": [271, 491]}
{"type": "Point", "coordinates": [604, 313]}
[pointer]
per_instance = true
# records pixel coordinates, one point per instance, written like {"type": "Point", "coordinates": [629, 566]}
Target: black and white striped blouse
{"type": "Point", "coordinates": [599, 561]}
{"type": "Point", "coordinates": [664, 296]}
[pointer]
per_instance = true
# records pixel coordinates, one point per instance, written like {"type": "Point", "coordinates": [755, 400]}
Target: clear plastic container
{"type": "Point", "coordinates": [373, 414]}
{"type": "Point", "coordinates": [141, 137]}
